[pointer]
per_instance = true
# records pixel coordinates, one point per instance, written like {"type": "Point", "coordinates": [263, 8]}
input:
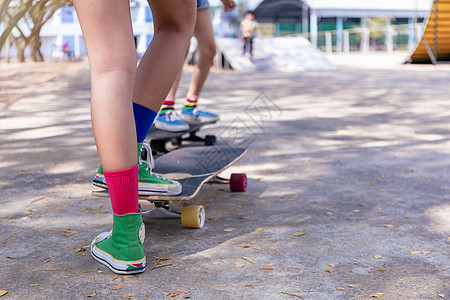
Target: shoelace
{"type": "Point", "coordinates": [149, 161]}
{"type": "Point", "coordinates": [172, 116]}
{"type": "Point", "coordinates": [199, 109]}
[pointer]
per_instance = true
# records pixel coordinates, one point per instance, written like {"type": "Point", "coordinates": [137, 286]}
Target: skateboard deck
{"type": "Point", "coordinates": [159, 137]}
{"type": "Point", "coordinates": [192, 167]}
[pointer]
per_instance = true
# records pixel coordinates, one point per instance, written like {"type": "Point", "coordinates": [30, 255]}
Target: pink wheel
{"type": "Point", "coordinates": [238, 182]}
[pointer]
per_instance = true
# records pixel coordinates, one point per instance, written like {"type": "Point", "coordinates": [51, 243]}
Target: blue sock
{"type": "Point", "coordinates": [143, 117]}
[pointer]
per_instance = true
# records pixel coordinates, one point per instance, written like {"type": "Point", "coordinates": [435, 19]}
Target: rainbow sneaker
{"type": "Point", "coordinates": [149, 183]}
{"type": "Point", "coordinates": [198, 115]}
{"type": "Point", "coordinates": [122, 249]}
{"type": "Point", "coordinates": [170, 121]}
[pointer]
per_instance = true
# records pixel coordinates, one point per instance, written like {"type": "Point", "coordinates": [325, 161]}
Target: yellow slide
{"type": "Point", "coordinates": [434, 45]}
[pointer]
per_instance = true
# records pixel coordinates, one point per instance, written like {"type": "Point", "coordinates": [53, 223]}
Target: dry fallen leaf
{"type": "Point", "coordinates": [259, 229]}
{"type": "Point", "coordinates": [352, 285]}
{"type": "Point", "coordinates": [441, 295]}
{"type": "Point", "coordinates": [250, 285]}
{"type": "Point", "coordinates": [229, 229]}
{"type": "Point", "coordinates": [415, 252]}
{"type": "Point", "coordinates": [341, 288]}
{"type": "Point", "coordinates": [79, 249]}
{"type": "Point", "coordinates": [240, 265]}
{"type": "Point", "coordinates": [165, 258]}
{"type": "Point", "coordinates": [377, 256]}
{"type": "Point", "coordinates": [176, 293]}
{"type": "Point", "coordinates": [295, 197]}
{"type": "Point", "coordinates": [118, 286]}
{"type": "Point", "coordinates": [92, 295]}
{"type": "Point", "coordinates": [244, 246]}
{"type": "Point", "coordinates": [247, 260]}
{"type": "Point", "coordinates": [388, 225]}
{"type": "Point", "coordinates": [34, 284]}
{"type": "Point", "coordinates": [377, 295]}
{"type": "Point", "coordinates": [247, 255]}
{"type": "Point", "coordinates": [331, 265]}
{"type": "Point", "coordinates": [127, 276]}
{"type": "Point", "coordinates": [197, 269]}
{"type": "Point", "coordinates": [292, 294]}
{"type": "Point", "coordinates": [267, 269]}
{"type": "Point", "coordinates": [329, 271]}
{"type": "Point", "coordinates": [300, 233]}
{"type": "Point", "coordinates": [3, 292]}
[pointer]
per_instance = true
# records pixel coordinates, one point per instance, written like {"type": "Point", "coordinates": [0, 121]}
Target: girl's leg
{"type": "Point", "coordinates": [174, 23]}
{"type": "Point", "coordinates": [173, 90]}
{"type": "Point", "coordinates": [112, 58]}
{"type": "Point", "coordinates": [167, 117]}
{"type": "Point", "coordinates": [109, 40]}
{"type": "Point", "coordinates": [207, 50]}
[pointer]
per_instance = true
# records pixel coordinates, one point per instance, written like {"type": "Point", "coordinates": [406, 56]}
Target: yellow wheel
{"type": "Point", "coordinates": [193, 216]}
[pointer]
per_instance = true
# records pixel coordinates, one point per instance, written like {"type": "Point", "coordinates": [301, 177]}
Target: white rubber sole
{"type": "Point", "coordinates": [117, 266]}
{"type": "Point", "coordinates": [146, 189]}
{"type": "Point", "coordinates": [171, 127]}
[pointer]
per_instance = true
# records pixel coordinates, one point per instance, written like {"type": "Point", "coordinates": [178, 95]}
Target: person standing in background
{"type": "Point", "coordinates": [249, 27]}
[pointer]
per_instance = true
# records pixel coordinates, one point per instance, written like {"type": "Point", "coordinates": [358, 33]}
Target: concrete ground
{"type": "Point", "coordinates": [348, 192]}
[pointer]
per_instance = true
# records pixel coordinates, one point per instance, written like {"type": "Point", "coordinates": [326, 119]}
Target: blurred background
{"type": "Point", "coordinates": [293, 35]}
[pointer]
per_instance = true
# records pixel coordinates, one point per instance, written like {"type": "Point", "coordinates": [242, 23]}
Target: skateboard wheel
{"type": "Point", "coordinates": [193, 216]}
{"type": "Point", "coordinates": [210, 140]}
{"type": "Point", "coordinates": [238, 182]}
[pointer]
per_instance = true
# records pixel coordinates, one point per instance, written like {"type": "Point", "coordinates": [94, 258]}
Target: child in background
{"type": "Point", "coordinates": [249, 27]}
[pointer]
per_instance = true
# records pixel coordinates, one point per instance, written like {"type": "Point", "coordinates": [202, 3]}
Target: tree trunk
{"type": "Point", "coordinates": [13, 22]}
{"type": "Point", "coordinates": [7, 50]}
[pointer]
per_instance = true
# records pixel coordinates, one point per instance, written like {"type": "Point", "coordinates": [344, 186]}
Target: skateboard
{"type": "Point", "coordinates": [158, 137]}
{"type": "Point", "coordinates": [192, 167]}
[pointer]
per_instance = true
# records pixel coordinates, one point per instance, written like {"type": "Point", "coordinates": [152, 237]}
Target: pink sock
{"type": "Point", "coordinates": [123, 190]}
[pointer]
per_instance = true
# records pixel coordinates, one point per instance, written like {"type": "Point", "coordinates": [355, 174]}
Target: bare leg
{"type": "Point", "coordinates": [173, 91]}
{"type": "Point", "coordinates": [112, 58]}
{"type": "Point", "coordinates": [161, 63]}
{"type": "Point", "coordinates": [204, 33]}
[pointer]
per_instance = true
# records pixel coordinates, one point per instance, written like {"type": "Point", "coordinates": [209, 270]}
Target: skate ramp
{"type": "Point", "coordinates": [283, 54]}
{"type": "Point", "coordinates": [434, 45]}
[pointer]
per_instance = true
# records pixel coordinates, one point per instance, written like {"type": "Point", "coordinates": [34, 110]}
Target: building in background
{"type": "Point", "coordinates": [64, 26]}
{"type": "Point", "coordinates": [313, 18]}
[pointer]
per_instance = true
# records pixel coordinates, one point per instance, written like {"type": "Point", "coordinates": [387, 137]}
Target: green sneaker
{"type": "Point", "coordinates": [122, 249]}
{"type": "Point", "coordinates": [149, 183]}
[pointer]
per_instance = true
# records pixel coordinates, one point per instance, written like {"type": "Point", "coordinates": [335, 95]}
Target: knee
{"type": "Point", "coordinates": [176, 23]}
{"type": "Point", "coordinates": [208, 52]}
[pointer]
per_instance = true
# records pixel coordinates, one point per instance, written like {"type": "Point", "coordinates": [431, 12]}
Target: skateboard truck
{"type": "Point", "coordinates": [158, 138]}
{"type": "Point", "coordinates": [191, 167]}
{"type": "Point", "coordinates": [192, 216]}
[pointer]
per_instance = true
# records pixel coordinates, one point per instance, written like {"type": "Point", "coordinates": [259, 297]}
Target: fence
{"type": "Point", "coordinates": [394, 37]}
